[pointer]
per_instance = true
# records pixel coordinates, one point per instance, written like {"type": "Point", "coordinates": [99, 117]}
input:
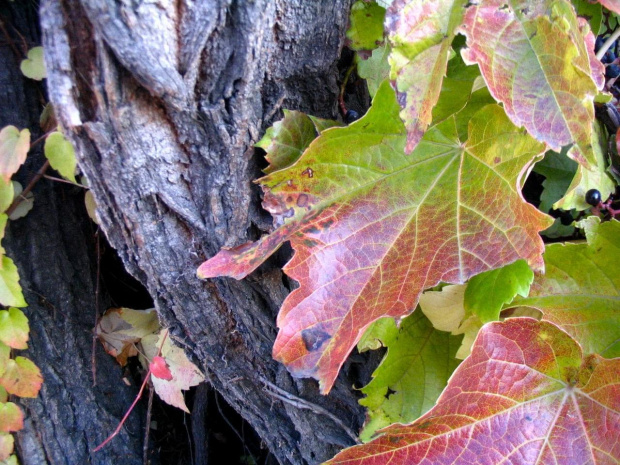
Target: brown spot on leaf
{"type": "Point", "coordinates": [308, 172]}
{"type": "Point", "coordinates": [314, 338]}
{"type": "Point", "coordinates": [496, 160]}
{"type": "Point", "coordinates": [302, 200]}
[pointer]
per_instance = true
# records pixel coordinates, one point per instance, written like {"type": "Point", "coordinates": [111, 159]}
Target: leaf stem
{"type": "Point", "coordinates": [612, 38]}
{"type": "Point", "coordinates": [28, 188]}
{"type": "Point", "coordinates": [131, 407]}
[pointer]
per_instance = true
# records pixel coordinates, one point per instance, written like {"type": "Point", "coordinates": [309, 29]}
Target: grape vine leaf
{"type": "Point", "coordinates": [487, 292]}
{"type": "Point", "coordinates": [586, 179]}
{"type": "Point", "coordinates": [6, 445]}
{"type": "Point", "coordinates": [446, 311]}
{"type": "Point", "coordinates": [590, 11]}
{"type": "Point", "coordinates": [121, 328]}
{"type": "Point", "coordinates": [14, 328]}
{"type": "Point", "coordinates": [6, 194]}
{"type": "Point", "coordinates": [526, 394]}
{"type": "Point", "coordinates": [421, 34]}
{"type": "Point", "coordinates": [366, 28]}
{"type": "Point", "coordinates": [535, 60]}
{"type": "Point", "coordinates": [10, 290]}
{"type": "Point", "coordinates": [287, 139]}
{"type": "Point", "coordinates": [374, 69]}
{"type": "Point", "coordinates": [184, 373]}
{"type": "Point", "coordinates": [11, 417]}
{"type": "Point", "coordinates": [21, 377]}
{"type": "Point", "coordinates": [411, 376]}
{"type": "Point", "coordinates": [558, 171]}
{"type": "Point", "coordinates": [60, 153]}
{"type": "Point", "coordinates": [33, 66]}
{"type": "Point", "coordinates": [372, 227]}
{"type": "Point", "coordinates": [580, 291]}
{"type": "Point", "coordinates": [14, 146]}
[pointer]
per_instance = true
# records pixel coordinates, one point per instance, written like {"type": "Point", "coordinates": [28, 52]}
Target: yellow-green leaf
{"type": "Point", "coordinates": [10, 290]}
{"type": "Point", "coordinates": [61, 155]}
{"type": "Point", "coordinates": [14, 328]}
{"type": "Point", "coordinates": [14, 146]}
{"type": "Point", "coordinates": [33, 66]}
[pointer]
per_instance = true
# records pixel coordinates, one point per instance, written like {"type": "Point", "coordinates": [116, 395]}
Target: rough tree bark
{"type": "Point", "coordinates": [163, 101]}
{"type": "Point", "coordinates": [54, 250]}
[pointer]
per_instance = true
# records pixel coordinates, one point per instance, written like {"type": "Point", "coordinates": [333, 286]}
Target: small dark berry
{"type": "Point", "coordinates": [350, 116]}
{"type": "Point", "coordinates": [612, 71]}
{"type": "Point", "coordinates": [593, 197]}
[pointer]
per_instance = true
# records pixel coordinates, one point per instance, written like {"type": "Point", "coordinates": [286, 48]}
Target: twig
{"type": "Point", "coordinates": [131, 407]}
{"type": "Point", "coordinates": [298, 402]}
{"type": "Point", "coordinates": [28, 188]}
{"type": "Point", "coordinates": [149, 409]}
{"type": "Point", "coordinates": [53, 178]}
{"type": "Point", "coordinates": [217, 403]}
{"type": "Point", "coordinates": [93, 361]}
{"type": "Point", "coordinates": [612, 38]}
{"type": "Point", "coordinates": [343, 107]}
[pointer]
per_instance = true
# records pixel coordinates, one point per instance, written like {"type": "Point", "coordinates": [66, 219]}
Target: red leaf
{"type": "Point", "coordinates": [525, 395]}
{"type": "Point", "coordinates": [160, 369]}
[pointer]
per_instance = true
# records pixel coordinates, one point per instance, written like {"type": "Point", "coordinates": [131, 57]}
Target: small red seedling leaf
{"type": "Point", "coordinates": [11, 417]}
{"type": "Point", "coordinates": [160, 369]}
{"type": "Point", "coordinates": [183, 373]}
{"type": "Point", "coordinates": [21, 378]}
{"type": "Point", "coordinates": [527, 394]}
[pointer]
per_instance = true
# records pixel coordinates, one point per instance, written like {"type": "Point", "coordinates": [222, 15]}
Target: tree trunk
{"type": "Point", "coordinates": [164, 101]}
{"type": "Point", "coordinates": [54, 251]}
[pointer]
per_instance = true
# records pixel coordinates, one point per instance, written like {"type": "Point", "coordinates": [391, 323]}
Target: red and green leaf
{"type": "Point", "coordinates": [11, 417]}
{"type": "Point", "coordinates": [527, 394]}
{"type": "Point", "coordinates": [14, 328]}
{"type": "Point", "coordinates": [580, 291]}
{"type": "Point", "coordinates": [22, 378]}
{"type": "Point", "coordinates": [535, 60]}
{"type": "Point", "coordinates": [14, 146]}
{"type": "Point", "coordinates": [421, 33]}
{"type": "Point", "coordinates": [373, 227]}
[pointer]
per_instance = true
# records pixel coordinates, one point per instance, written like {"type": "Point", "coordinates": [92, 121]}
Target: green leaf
{"type": "Point", "coordinates": [14, 146]}
{"type": "Point", "coordinates": [366, 30]}
{"type": "Point", "coordinates": [590, 11]}
{"type": "Point", "coordinates": [558, 171]}
{"type": "Point", "coordinates": [446, 311]}
{"type": "Point", "coordinates": [373, 227]}
{"type": "Point", "coordinates": [10, 290]}
{"type": "Point", "coordinates": [14, 328]}
{"type": "Point", "coordinates": [374, 69]}
{"type": "Point", "coordinates": [421, 33]}
{"type": "Point", "coordinates": [6, 194]}
{"type": "Point", "coordinates": [5, 356]}
{"type": "Point", "coordinates": [61, 155]}
{"type": "Point", "coordinates": [26, 202]}
{"type": "Point", "coordinates": [287, 139]}
{"type": "Point", "coordinates": [11, 417]}
{"type": "Point", "coordinates": [487, 292]}
{"type": "Point", "coordinates": [586, 179]}
{"type": "Point", "coordinates": [580, 291]}
{"type": "Point", "coordinates": [6, 445]}
{"type": "Point", "coordinates": [526, 395]}
{"type": "Point", "coordinates": [416, 368]}
{"type": "Point", "coordinates": [536, 62]}
{"type": "Point", "coordinates": [33, 66]}
{"type": "Point", "coordinates": [12, 460]}
{"type": "Point", "coordinates": [21, 378]}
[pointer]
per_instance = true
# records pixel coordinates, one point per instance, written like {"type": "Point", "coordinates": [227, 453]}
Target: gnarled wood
{"type": "Point", "coordinates": [163, 101]}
